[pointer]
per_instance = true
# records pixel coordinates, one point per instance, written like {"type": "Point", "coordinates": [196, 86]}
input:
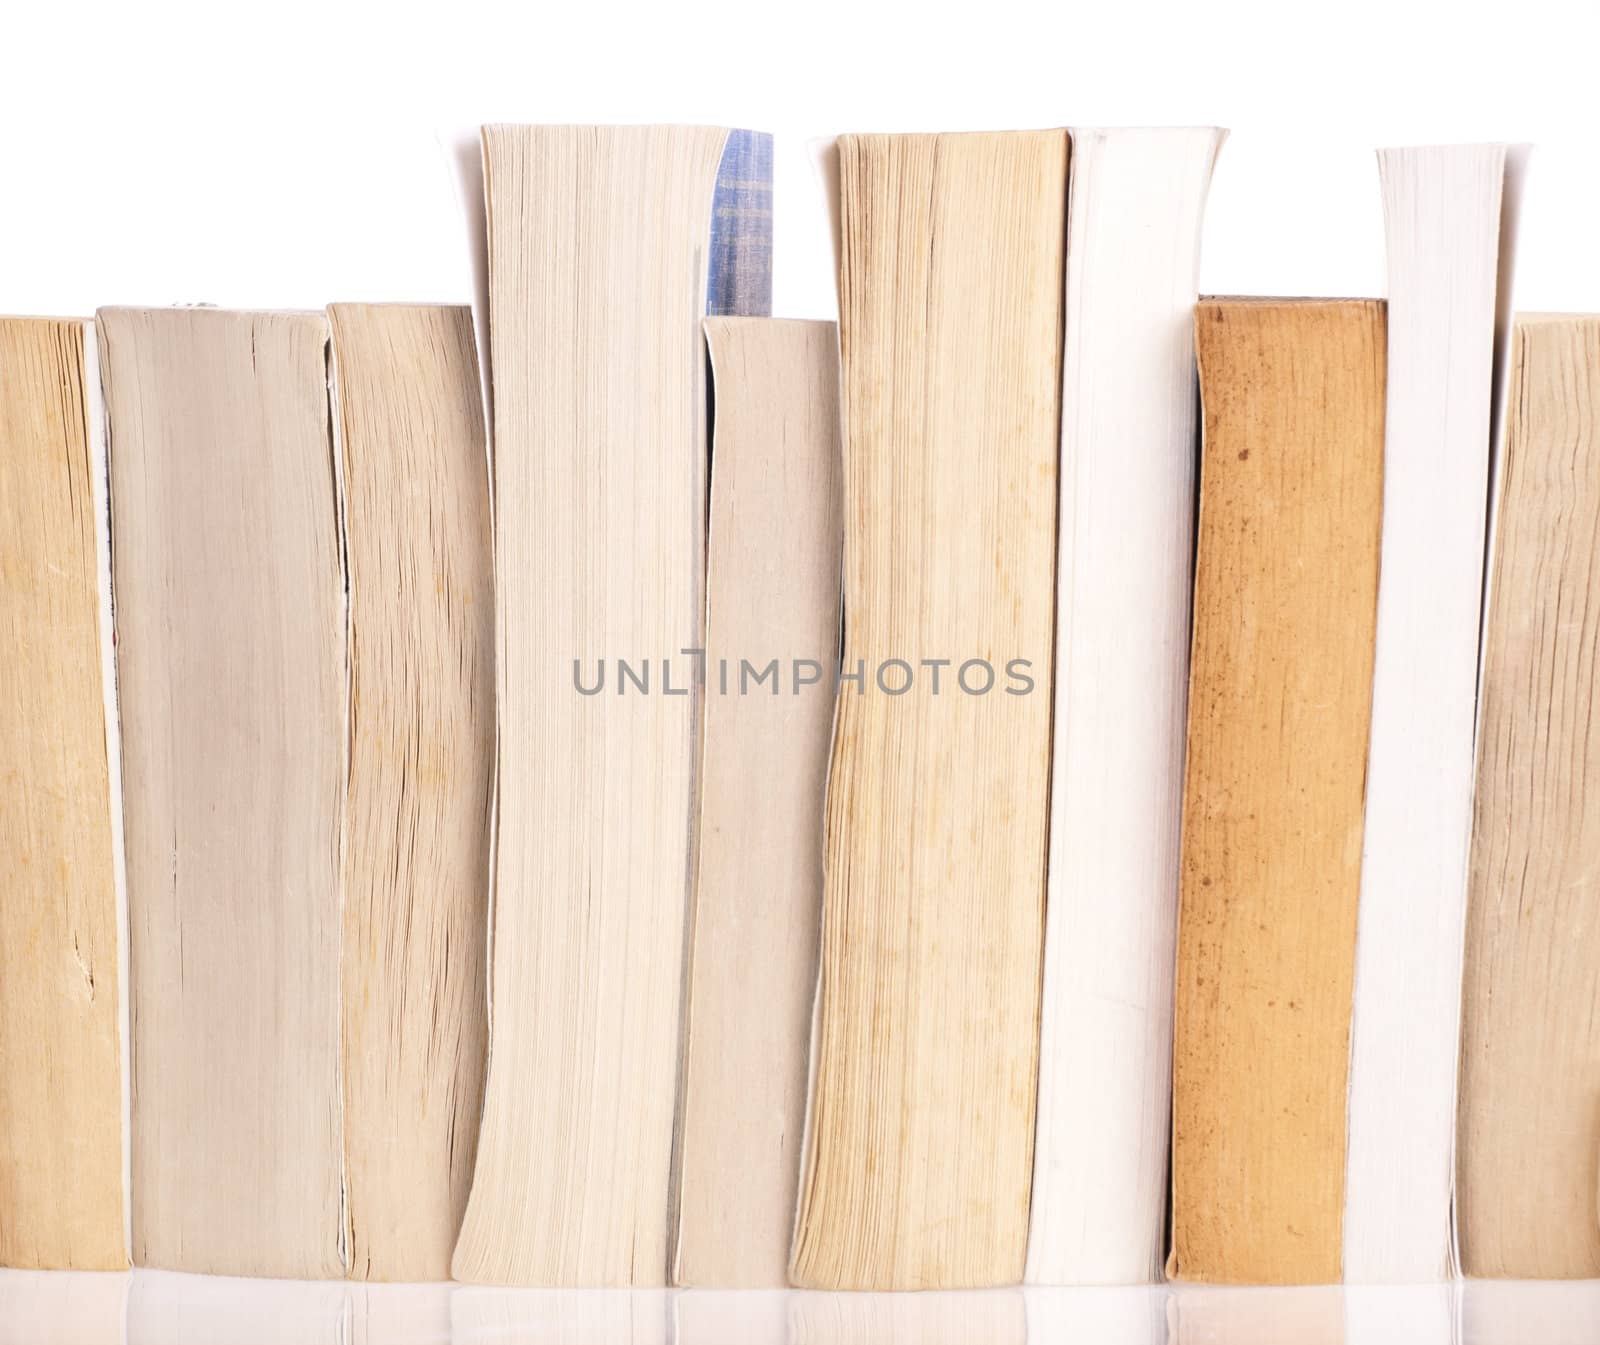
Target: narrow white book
{"type": "Point", "coordinates": [1447, 213]}
{"type": "Point", "coordinates": [1123, 593]}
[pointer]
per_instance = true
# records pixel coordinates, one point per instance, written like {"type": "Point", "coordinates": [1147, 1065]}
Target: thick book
{"type": "Point", "coordinates": [1280, 694]}
{"type": "Point", "coordinates": [599, 239]}
{"type": "Point", "coordinates": [1445, 212]}
{"type": "Point", "coordinates": [230, 617]}
{"type": "Point", "coordinates": [415, 483]}
{"type": "Point", "coordinates": [1528, 1169]}
{"type": "Point", "coordinates": [1124, 580]}
{"type": "Point", "coordinates": [772, 612]}
{"type": "Point", "coordinates": [61, 968]}
{"type": "Point", "coordinates": [919, 1152]}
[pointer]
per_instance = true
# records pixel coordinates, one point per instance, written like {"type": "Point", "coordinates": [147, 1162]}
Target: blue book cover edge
{"type": "Point", "coordinates": [740, 274]}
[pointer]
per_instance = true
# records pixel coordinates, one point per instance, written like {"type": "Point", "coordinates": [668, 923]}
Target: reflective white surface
{"type": "Point", "coordinates": [159, 1308]}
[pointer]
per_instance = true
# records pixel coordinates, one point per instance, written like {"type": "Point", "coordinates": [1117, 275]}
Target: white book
{"type": "Point", "coordinates": [607, 245]}
{"type": "Point", "coordinates": [1446, 213]}
{"type": "Point", "coordinates": [1123, 593]}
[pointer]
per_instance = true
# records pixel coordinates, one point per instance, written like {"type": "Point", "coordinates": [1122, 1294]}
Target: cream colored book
{"type": "Point", "coordinates": [772, 596]}
{"type": "Point", "coordinates": [1124, 578]}
{"type": "Point", "coordinates": [231, 664]}
{"type": "Point", "coordinates": [61, 1086]}
{"type": "Point", "coordinates": [416, 834]}
{"type": "Point", "coordinates": [919, 1151]}
{"type": "Point", "coordinates": [1528, 1166]}
{"type": "Point", "coordinates": [1446, 210]}
{"type": "Point", "coordinates": [602, 259]}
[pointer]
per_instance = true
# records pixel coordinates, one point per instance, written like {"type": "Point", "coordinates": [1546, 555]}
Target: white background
{"type": "Point", "coordinates": [285, 153]}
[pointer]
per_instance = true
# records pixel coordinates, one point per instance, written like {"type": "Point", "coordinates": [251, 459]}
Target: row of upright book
{"type": "Point", "coordinates": [607, 788]}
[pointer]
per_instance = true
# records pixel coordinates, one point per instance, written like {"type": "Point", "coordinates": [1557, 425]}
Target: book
{"type": "Point", "coordinates": [1528, 1170]}
{"type": "Point", "coordinates": [414, 473]}
{"type": "Point", "coordinates": [1280, 694]}
{"type": "Point", "coordinates": [919, 1151]}
{"type": "Point", "coordinates": [231, 666]}
{"type": "Point", "coordinates": [599, 239]}
{"type": "Point", "coordinates": [1124, 580]}
{"type": "Point", "coordinates": [772, 610]}
{"type": "Point", "coordinates": [61, 967]}
{"type": "Point", "coordinates": [1444, 212]}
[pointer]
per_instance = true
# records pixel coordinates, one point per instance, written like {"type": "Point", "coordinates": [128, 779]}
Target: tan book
{"type": "Point", "coordinates": [925, 1054]}
{"type": "Point", "coordinates": [602, 256]}
{"type": "Point", "coordinates": [1280, 697]}
{"type": "Point", "coordinates": [61, 1161]}
{"type": "Point", "coordinates": [231, 656]}
{"type": "Point", "coordinates": [772, 595]}
{"type": "Point", "coordinates": [1528, 1144]}
{"type": "Point", "coordinates": [416, 840]}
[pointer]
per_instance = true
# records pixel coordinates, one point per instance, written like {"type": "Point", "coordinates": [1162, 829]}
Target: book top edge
{"type": "Point", "coordinates": [63, 318]}
{"type": "Point", "coordinates": [403, 305]}
{"type": "Point", "coordinates": [732, 321]}
{"type": "Point", "coordinates": [211, 310]}
{"type": "Point", "coordinates": [1286, 300]}
{"type": "Point", "coordinates": [1555, 319]}
{"type": "Point", "coordinates": [616, 126]}
{"type": "Point", "coordinates": [1147, 130]}
{"type": "Point", "coordinates": [967, 134]}
{"type": "Point", "coordinates": [1120, 131]}
{"type": "Point", "coordinates": [1454, 145]}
